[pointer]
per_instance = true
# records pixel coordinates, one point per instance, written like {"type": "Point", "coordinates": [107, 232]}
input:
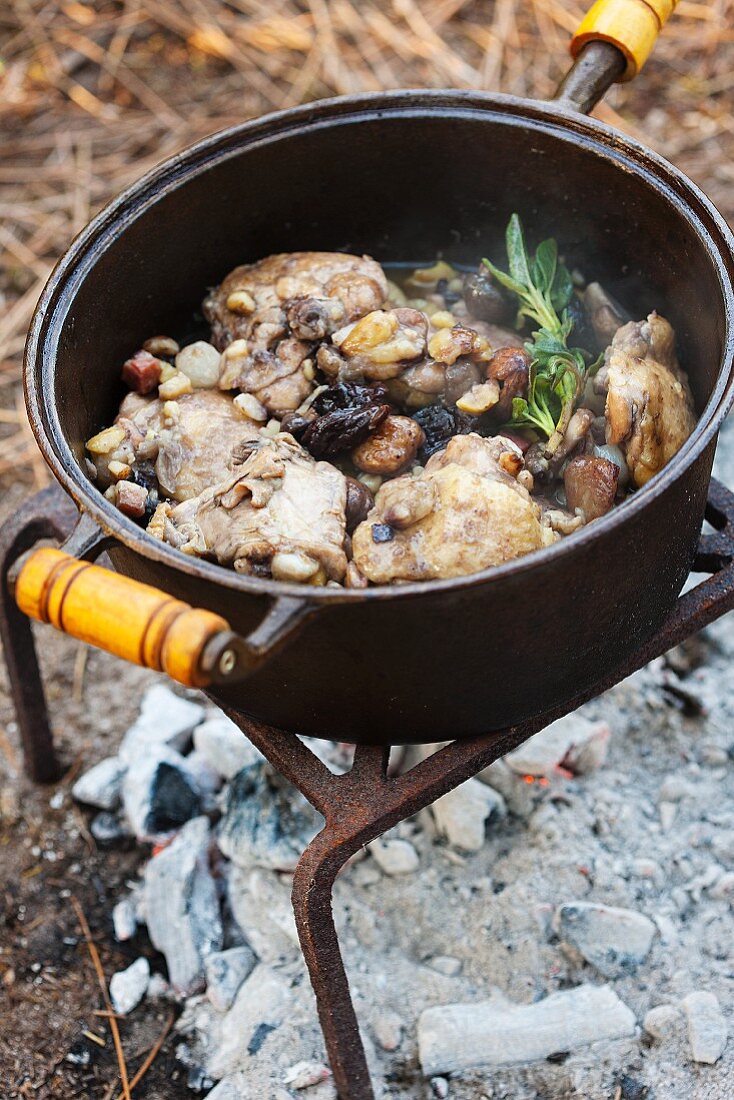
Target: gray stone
{"type": "Point", "coordinates": [521, 798]}
{"type": "Point", "coordinates": [165, 719]}
{"type": "Point", "coordinates": [159, 793]}
{"type": "Point", "coordinates": [453, 1038]}
{"type": "Point", "coordinates": [224, 746]}
{"type": "Point", "coordinates": [572, 743]}
{"type": "Point", "coordinates": [707, 1029]}
{"type": "Point", "coordinates": [207, 779]}
{"type": "Point", "coordinates": [445, 964]}
{"type": "Point", "coordinates": [461, 814]}
{"type": "Point", "coordinates": [101, 786]}
{"type": "Point", "coordinates": [127, 987]}
{"type": "Point", "coordinates": [675, 788]}
{"type": "Point", "coordinates": [394, 856]}
{"type": "Point", "coordinates": [304, 1074]}
{"type": "Point", "coordinates": [261, 906]}
{"type": "Point", "coordinates": [388, 1028]}
{"type": "Point", "coordinates": [124, 920]}
{"type": "Point", "coordinates": [110, 832]}
{"type": "Point", "coordinates": [181, 906]}
{"type": "Point", "coordinates": [225, 972]}
{"type": "Point", "coordinates": [158, 988]}
{"type": "Point", "coordinates": [614, 941]}
{"type": "Point", "coordinates": [662, 1022]}
{"type": "Point", "coordinates": [259, 1008]}
{"type": "Point", "coordinates": [266, 823]}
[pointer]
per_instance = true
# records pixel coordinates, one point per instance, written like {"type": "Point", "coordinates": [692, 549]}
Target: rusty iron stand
{"type": "Point", "coordinates": [362, 804]}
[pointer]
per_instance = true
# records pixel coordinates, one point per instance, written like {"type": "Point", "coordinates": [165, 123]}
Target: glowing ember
{"type": "Point", "coordinates": [539, 779]}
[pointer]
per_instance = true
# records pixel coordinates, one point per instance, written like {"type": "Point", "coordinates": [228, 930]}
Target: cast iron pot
{"type": "Point", "coordinates": [403, 176]}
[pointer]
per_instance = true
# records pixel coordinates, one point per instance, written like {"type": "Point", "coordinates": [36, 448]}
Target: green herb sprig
{"type": "Point", "coordinates": [557, 375]}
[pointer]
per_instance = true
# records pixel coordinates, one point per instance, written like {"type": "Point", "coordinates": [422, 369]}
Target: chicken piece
{"type": "Point", "coordinates": [192, 440]}
{"type": "Point", "coordinates": [464, 513]}
{"type": "Point", "coordinates": [266, 316]}
{"type": "Point", "coordinates": [306, 294]}
{"type": "Point", "coordinates": [279, 379]}
{"type": "Point", "coordinates": [378, 347]}
{"type": "Point", "coordinates": [649, 406]}
{"type": "Point", "coordinates": [279, 514]}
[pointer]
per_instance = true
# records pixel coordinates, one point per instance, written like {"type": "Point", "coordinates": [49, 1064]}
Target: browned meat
{"type": "Point", "coordinates": [279, 514]}
{"type": "Point", "coordinates": [649, 406]}
{"type": "Point", "coordinates": [464, 513]}
{"type": "Point", "coordinates": [591, 485]}
{"type": "Point", "coordinates": [379, 346]}
{"type": "Point", "coordinates": [191, 440]}
{"type": "Point", "coordinates": [297, 292]}
{"type": "Point", "coordinates": [268, 315]}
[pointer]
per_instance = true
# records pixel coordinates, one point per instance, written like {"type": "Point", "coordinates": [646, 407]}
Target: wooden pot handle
{"type": "Point", "coordinates": [128, 619]}
{"type": "Point", "coordinates": [630, 25]}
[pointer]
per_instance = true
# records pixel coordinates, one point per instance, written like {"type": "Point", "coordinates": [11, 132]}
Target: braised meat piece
{"type": "Point", "coordinates": [379, 346]}
{"type": "Point", "coordinates": [591, 485]}
{"type": "Point", "coordinates": [464, 513]}
{"type": "Point", "coordinates": [191, 441]}
{"type": "Point", "coordinates": [268, 315]}
{"type": "Point", "coordinates": [649, 406]}
{"type": "Point", "coordinates": [305, 294]}
{"type": "Point", "coordinates": [278, 514]}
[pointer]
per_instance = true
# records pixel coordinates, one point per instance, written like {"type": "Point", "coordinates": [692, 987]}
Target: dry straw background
{"type": "Point", "coordinates": [94, 94]}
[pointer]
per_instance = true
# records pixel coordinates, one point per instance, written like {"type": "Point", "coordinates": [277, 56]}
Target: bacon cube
{"type": "Point", "coordinates": [142, 372]}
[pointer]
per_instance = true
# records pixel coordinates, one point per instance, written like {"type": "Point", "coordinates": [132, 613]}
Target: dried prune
{"type": "Point", "coordinates": [348, 395]}
{"type": "Point", "coordinates": [439, 424]}
{"type": "Point", "coordinates": [342, 429]}
{"type": "Point", "coordinates": [295, 424]}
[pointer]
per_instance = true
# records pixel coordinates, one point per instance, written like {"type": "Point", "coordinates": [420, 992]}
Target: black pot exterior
{"type": "Point", "coordinates": [404, 176]}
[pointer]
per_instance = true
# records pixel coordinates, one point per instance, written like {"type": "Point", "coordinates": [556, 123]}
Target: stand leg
{"type": "Point", "coordinates": [49, 514]}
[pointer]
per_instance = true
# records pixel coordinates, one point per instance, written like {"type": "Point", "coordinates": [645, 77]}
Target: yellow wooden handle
{"type": "Point", "coordinates": [630, 25]}
{"type": "Point", "coordinates": [120, 615]}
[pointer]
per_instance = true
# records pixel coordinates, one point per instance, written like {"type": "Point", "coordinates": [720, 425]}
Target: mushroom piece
{"type": "Point", "coordinates": [510, 366]}
{"type": "Point", "coordinates": [591, 485]}
{"type": "Point", "coordinates": [604, 312]}
{"type": "Point", "coordinates": [279, 514]}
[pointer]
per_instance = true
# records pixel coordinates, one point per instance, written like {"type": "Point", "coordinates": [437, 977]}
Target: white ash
{"type": "Point", "coordinates": [101, 786]}
{"type": "Point", "coordinates": [707, 1029]}
{"type": "Point", "coordinates": [461, 814]}
{"type": "Point", "coordinates": [159, 793]}
{"type": "Point", "coordinates": [265, 822]}
{"type": "Point", "coordinates": [181, 905]}
{"type": "Point", "coordinates": [225, 971]}
{"type": "Point", "coordinates": [498, 1033]}
{"type": "Point", "coordinates": [124, 919]}
{"type": "Point", "coordinates": [573, 743]}
{"type": "Point", "coordinates": [165, 719]}
{"type": "Point", "coordinates": [128, 987]}
{"type": "Point", "coordinates": [224, 746]}
{"type": "Point", "coordinates": [394, 856]}
{"type": "Point", "coordinates": [614, 941]}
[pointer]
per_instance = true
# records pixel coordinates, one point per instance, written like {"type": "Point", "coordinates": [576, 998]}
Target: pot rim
{"type": "Point", "coordinates": [49, 315]}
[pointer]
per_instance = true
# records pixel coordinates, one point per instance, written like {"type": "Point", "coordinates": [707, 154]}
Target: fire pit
{"type": "Point", "coordinates": [363, 803]}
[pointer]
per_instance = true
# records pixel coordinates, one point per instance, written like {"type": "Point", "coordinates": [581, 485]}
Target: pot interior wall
{"type": "Point", "coordinates": [399, 188]}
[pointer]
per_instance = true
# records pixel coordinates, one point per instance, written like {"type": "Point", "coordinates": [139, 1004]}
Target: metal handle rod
{"type": "Point", "coordinates": [597, 67]}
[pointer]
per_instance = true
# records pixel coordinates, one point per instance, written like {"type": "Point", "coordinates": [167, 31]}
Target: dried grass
{"type": "Point", "coordinates": [94, 94]}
